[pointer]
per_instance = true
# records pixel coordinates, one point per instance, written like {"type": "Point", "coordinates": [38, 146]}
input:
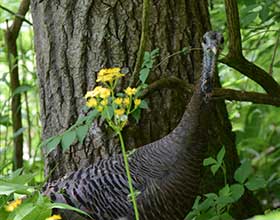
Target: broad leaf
{"type": "Point", "coordinates": [144, 73]}
{"type": "Point", "coordinates": [225, 191]}
{"type": "Point", "coordinates": [67, 139]}
{"type": "Point", "coordinates": [68, 207]}
{"type": "Point", "coordinates": [214, 168]}
{"type": "Point", "coordinates": [7, 188]}
{"type": "Point", "coordinates": [51, 145]}
{"type": "Point", "coordinates": [22, 89]}
{"type": "Point", "coordinates": [108, 113]}
{"type": "Point", "coordinates": [255, 183]}
{"type": "Point", "coordinates": [5, 120]}
{"type": "Point", "coordinates": [143, 104]}
{"type": "Point", "coordinates": [92, 115]}
{"type": "Point", "coordinates": [136, 115]}
{"type": "Point", "coordinates": [19, 132]}
{"type": "Point", "coordinates": [209, 161]}
{"type": "Point", "coordinates": [221, 155]}
{"type": "Point", "coordinates": [237, 190]}
{"type": "Point", "coordinates": [82, 132]}
{"type": "Point", "coordinates": [243, 172]}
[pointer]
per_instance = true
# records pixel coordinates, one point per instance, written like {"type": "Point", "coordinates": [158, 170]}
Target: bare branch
{"type": "Point", "coordinates": [15, 14]}
{"type": "Point", "coordinates": [254, 97]}
{"type": "Point", "coordinates": [235, 58]}
{"type": "Point", "coordinates": [23, 9]}
{"type": "Point", "coordinates": [218, 93]}
{"type": "Point", "coordinates": [171, 82]}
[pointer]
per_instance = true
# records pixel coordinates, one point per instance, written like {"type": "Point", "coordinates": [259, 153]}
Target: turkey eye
{"type": "Point", "coordinates": [222, 40]}
{"type": "Point", "coordinates": [204, 40]}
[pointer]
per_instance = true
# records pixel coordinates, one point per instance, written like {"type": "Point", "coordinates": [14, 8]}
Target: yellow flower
{"type": "Point", "coordinates": [54, 217]}
{"type": "Point", "coordinates": [97, 90]}
{"type": "Point", "coordinates": [130, 91]}
{"type": "Point", "coordinates": [118, 101]}
{"type": "Point", "coordinates": [126, 101]}
{"type": "Point", "coordinates": [89, 94]}
{"type": "Point", "coordinates": [119, 112]}
{"type": "Point", "coordinates": [12, 205]}
{"type": "Point", "coordinates": [137, 102]}
{"type": "Point", "coordinates": [92, 102]}
{"type": "Point", "coordinates": [105, 93]}
{"type": "Point", "coordinates": [100, 108]}
{"type": "Point", "coordinates": [104, 102]}
{"type": "Point", "coordinates": [110, 74]}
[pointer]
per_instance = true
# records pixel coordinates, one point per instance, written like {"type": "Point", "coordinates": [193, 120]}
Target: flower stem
{"type": "Point", "coordinates": [126, 164]}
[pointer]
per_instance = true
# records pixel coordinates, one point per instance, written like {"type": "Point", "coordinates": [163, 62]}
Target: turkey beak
{"type": "Point", "coordinates": [214, 49]}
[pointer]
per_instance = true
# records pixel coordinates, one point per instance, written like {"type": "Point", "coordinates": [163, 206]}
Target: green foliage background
{"type": "Point", "coordinates": [257, 127]}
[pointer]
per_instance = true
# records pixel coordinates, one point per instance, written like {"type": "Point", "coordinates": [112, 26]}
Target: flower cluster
{"type": "Point", "coordinates": [115, 108]}
{"type": "Point", "coordinates": [109, 75]}
{"type": "Point", "coordinates": [12, 205]}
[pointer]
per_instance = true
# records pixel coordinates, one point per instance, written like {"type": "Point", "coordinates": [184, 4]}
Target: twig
{"type": "Point", "coordinates": [254, 97]}
{"type": "Point", "coordinates": [274, 54]}
{"type": "Point", "coordinates": [143, 41]}
{"type": "Point", "coordinates": [16, 14]}
{"type": "Point", "coordinates": [174, 54]}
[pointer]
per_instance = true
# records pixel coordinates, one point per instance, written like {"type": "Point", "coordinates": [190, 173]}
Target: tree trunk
{"type": "Point", "coordinates": [75, 39]}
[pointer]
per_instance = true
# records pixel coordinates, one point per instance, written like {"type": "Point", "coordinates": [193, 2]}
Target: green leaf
{"type": "Point", "coordinates": [237, 190]}
{"type": "Point", "coordinates": [277, 64]}
{"type": "Point", "coordinates": [7, 188]}
{"type": "Point", "coordinates": [196, 202]}
{"type": "Point", "coordinates": [225, 216]}
{"type": "Point", "coordinates": [82, 132]}
{"type": "Point", "coordinates": [108, 113]}
{"type": "Point", "coordinates": [206, 204]}
{"type": "Point", "coordinates": [185, 50]}
{"type": "Point", "coordinates": [214, 168]}
{"type": "Point", "coordinates": [255, 183]}
{"type": "Point", "coordinates": [143, 105]}
{"type": "Point", "coordinates": [155, 53]}
{"type": "Point", "coordinates": [221, 155]}
{"type": "Point", "coordinates": [209, 161]}
{"type": "Point", "coordinates": [213, 196]}
{"type": "Point", "coordinates": [92, 115]}
{"type": "Point", "coordinates": [144, 73]}
{"type": "Point", "coordinates": [248, 18]}
{"type": "Point", "coordinates": [51, 145]}
{"type": "Point", "coordinates": [270, 216]}
{"type": "Point", "coordinates": [5, 120]}
{"type": "Point", "coordinates": [67, 139]}
{"type": "Point", "coordinates": [264, 13]}
{"type": "Point", "coordinates": [19, 132]}
{"type": "Point", "coordinates": [136, 115]}
{"type": "Point", "coordinates": [68, 207]}
{"type": "Point", "coordinates": [23, 211]}
{"type": "Point", "coordinates": [223, 201]}
{"type": "Point", "coordinates": [243, 172]}
{"type": "Point", "coordinates": [22, 89]}
{"type": "Point", "coordinates": [225, 191]}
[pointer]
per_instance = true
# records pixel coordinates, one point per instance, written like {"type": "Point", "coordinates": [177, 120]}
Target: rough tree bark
{"type": "Point", "coordinates": [75, 38]}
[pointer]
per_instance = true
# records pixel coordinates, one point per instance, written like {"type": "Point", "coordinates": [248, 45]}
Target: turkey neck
{"type": "Point", "coordinates": [190, 138]}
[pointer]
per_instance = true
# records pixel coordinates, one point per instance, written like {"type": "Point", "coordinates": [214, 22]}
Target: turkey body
{"type": "Point", "coordinates": [166, 173]}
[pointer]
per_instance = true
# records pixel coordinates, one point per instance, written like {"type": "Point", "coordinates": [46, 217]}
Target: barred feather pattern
{"type": "Point", "coordinates": [166, 172]}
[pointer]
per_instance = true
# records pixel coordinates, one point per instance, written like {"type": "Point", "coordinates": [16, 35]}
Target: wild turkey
{"type": "Point", "coordinates": [166, 172]}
